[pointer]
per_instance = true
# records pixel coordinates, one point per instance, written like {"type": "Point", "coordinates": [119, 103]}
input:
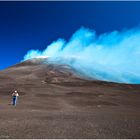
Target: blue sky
{"type": "Point", "coordinates": [34, 25]}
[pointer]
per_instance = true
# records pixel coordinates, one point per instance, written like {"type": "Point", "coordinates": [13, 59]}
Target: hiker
{"type": "Point", "coordinates": [14, 97]}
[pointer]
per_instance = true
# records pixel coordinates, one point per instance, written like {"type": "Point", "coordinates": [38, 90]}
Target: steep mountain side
{"type": "Point", "coordinates": [57, 102]}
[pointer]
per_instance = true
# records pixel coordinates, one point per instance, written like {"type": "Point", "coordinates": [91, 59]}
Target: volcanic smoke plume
{"type": "Point", "coordinates": [112, 56]}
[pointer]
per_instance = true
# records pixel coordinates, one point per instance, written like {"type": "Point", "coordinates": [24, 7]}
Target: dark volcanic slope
{"type": "Point", "coordinates": [56, 103]}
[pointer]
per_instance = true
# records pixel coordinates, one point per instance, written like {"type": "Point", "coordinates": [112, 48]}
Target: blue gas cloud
{"type": "Point", "coordinates": [112, 56]}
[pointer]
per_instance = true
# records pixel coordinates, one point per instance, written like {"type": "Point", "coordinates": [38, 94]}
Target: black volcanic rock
{"type": "Point", "coordinates": [57, 102]}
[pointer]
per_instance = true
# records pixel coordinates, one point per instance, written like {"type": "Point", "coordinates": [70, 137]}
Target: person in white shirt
{"type": "Point", "coordinates": [14, 97]}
